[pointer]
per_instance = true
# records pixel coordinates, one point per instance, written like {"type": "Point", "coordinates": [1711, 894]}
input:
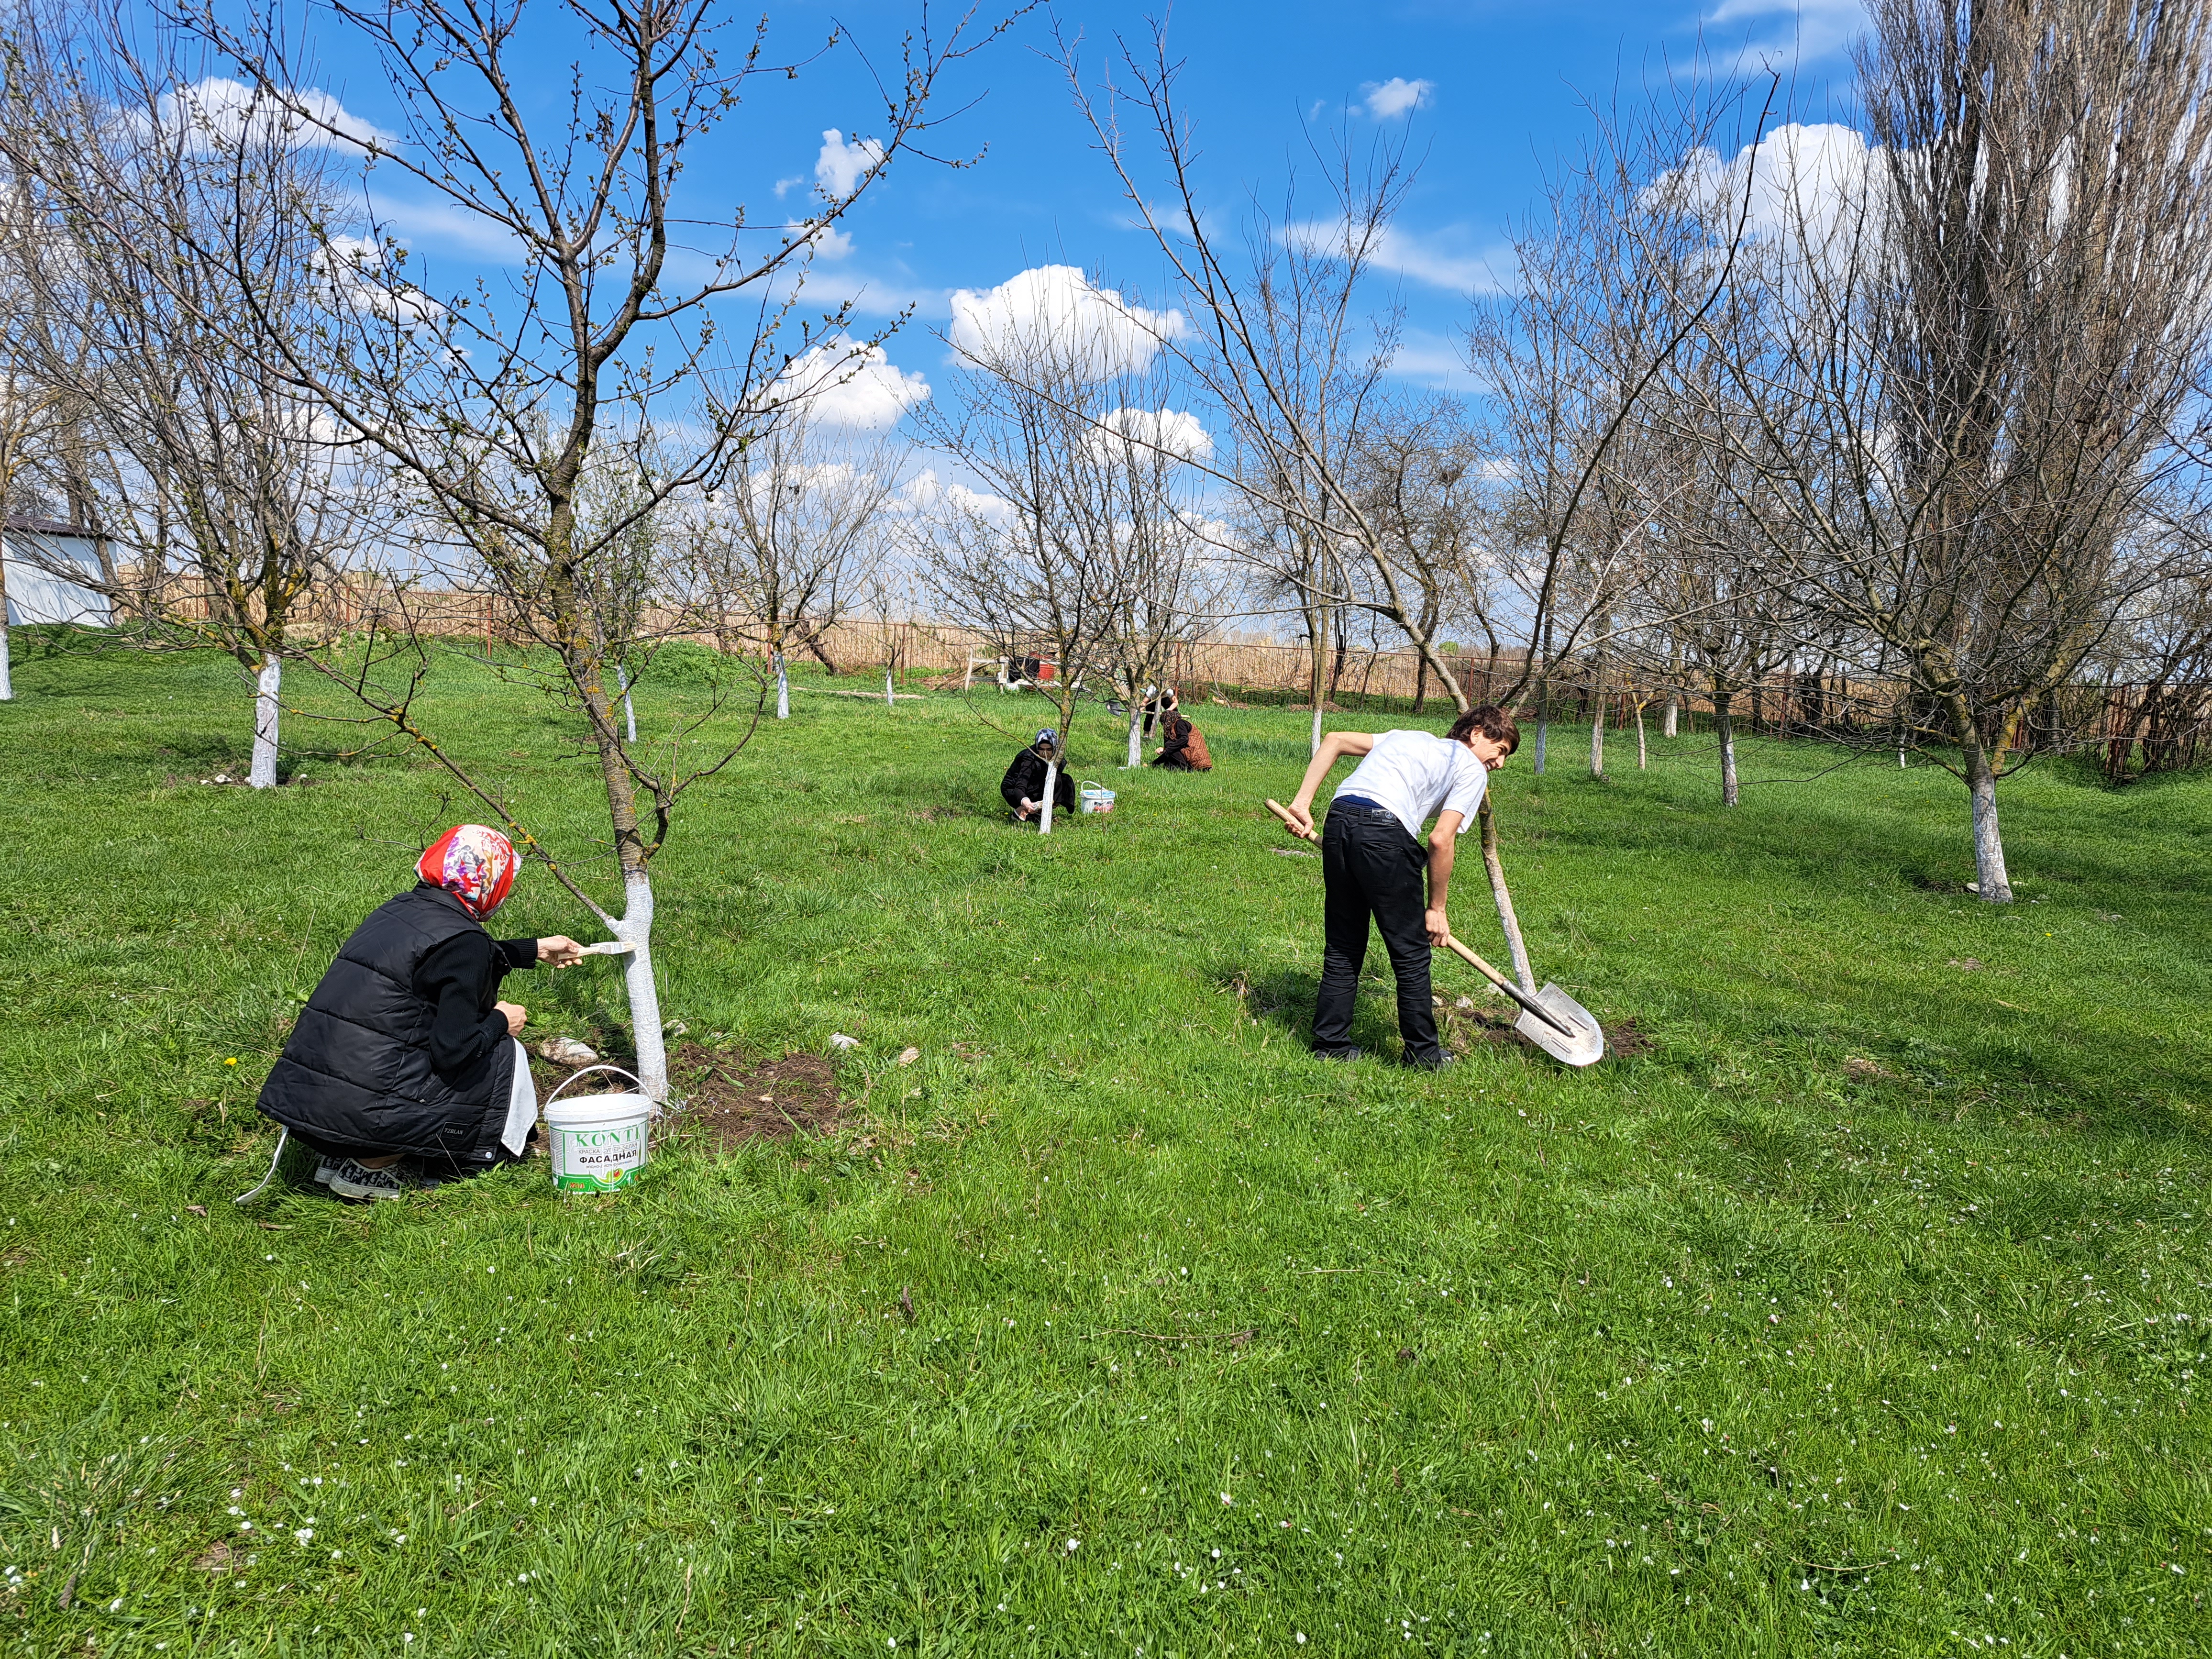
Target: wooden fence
{"type": "Point", "coordinates": [2134, 727]}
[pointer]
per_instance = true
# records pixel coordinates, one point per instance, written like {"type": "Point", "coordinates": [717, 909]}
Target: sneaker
{"type": "Point", "coordinates": [1436, 1062]}
{"type": "Point", "coordinates": [324, 1170]}
{"type": "Point", "coordinates": [1349, 1051]}
{"type": "Point", "coordinates": [349, 1180]}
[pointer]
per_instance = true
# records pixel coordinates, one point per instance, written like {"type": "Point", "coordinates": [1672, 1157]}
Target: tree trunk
{"type": "Point", "coordinates": [1516, 946]}
{"type": "Point", "coordinates": [1670, 724]}
{"type": "Point", "coordinates": [1991, 882]}
{"type": "Point", "coordinates": [263, 775]}
{"type": "Point", "coordinates": [1420, 682]}
{"type": "Point", "coordinates": [1597, 722]}
{"type": "Point", "coordinates": [1727, 729]}
{"type": "Point", "coordinates": [637, 927]}
{"type": "Point", "coordinates": [1543, 721]}
{"type": "Point", "coordinates": [782, 688]}
{"type": "Point", "coordinates": [1642, 757]}
{"type": "Point", "coordinates": [629, 713]}
{"type": "Point", "coordinates": [1051, 786]}
{"type": "Point", "coordinates": [6, 670]}
{"type": "Point", "coordinates": [1136, 735]}
{"type": "Point", "coordinates": [890, 698]}
{"type": "Point", "coordinates": [1316, 631]}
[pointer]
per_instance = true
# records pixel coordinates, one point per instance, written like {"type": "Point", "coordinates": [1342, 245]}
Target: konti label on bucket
{"type": "Point", "coordinates": [598, 1142]}
{"type": "Point", "coordinates": [600, 1157]}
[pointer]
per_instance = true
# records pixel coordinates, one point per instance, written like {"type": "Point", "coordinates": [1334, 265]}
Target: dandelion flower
{"type": "Point", "coordinates": [232, 1060]}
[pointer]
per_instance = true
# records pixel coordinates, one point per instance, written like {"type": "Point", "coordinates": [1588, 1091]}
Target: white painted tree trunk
{"type": "Point", "coordinates": [1723, 718]}
{"type": "Point", "coordinates": [637, 927]}
{"type": "Point", "coordinates": [1669, 726]}
{"type": "Point", "coordinates": [783, 690]}
{"type": "Point", "coordinates": [1136, 737]}
{"type": "Point", "coordinates": [630, 713]}
{"type": "Point", "coordinates": [1315, 749]}
{"type": "Point", "coordinates": [7, 671]}
{"type": "Point", "coordinates": [1992, 881]}
{"type": "Point", "coordinates": [1597, 737]}
{"type": "Point", "coordinates": [266, 709]}
{"type": "Point", "coordinates": [1643, 756]}
{"type": "Point", "coordinates": [890, 698]}
{"type": "Point", "coordinates": [1051, 786]}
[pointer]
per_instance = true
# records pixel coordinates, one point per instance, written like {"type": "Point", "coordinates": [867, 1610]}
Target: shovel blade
{"type": "Point", "coordinates": [1582, 1044]}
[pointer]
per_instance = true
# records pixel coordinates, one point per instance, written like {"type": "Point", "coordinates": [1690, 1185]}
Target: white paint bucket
{"type": "Point", "coordinates": [1095, 797]}
{"type": "Point", "coordinates": [598, 1141]}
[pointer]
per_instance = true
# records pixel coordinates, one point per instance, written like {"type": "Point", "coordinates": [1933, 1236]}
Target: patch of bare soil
{"type": "Point", "coordinates": [729, 1098]}
{"type": "Point", "coordinates": [1627, 1039]}
{"type": "Point", "coordinates": [1490, 1022]}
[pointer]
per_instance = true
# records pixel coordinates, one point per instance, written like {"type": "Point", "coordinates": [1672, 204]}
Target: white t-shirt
{"type": "Point", "coordinates": [1417, 774]}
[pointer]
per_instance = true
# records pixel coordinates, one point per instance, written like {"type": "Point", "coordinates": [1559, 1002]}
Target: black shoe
{"type": "Point", "coordinates": [1436, 1062]}
{"type": "Point", "coordinates": [351, 1180]}
{"type": "Point", "coordinates": [1348, 1052]}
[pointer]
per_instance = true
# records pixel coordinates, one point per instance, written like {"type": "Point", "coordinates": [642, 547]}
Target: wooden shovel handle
{"type": "Point", "coordinates": [1511, 989]}
{"type": "Point", "coordinates": [1290, 822]}
{"type": "Point", "coordinates": [1480, 966]}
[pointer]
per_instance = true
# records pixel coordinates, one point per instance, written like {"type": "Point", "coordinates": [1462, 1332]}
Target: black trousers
{"type": "Point", "coordinates": [1372, 867]}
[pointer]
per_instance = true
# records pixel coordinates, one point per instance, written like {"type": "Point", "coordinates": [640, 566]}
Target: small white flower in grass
{"type": "Point", "coordinates": [1302, 1639]}
{"type": "Point", "coordinates": [305, 1534]}
{"type": "Point", "coordinates": [1226, 1499]}
{"type": "Point", "coordinates": [1072, 1544]}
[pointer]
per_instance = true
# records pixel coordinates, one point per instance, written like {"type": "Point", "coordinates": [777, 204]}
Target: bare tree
{"type": "Point", "coordinates": [1047, 560]}
{"type": "Point", "coordinates": [786, 545]}
{"type": "Point", "coordinates": [1980, 358]}
{"type": "Point", "coordinates": [1619, 270]}
{"type": "Point", "coordinates": [492, 409]}
{"type": "Point", "coordinates": [152, 222]}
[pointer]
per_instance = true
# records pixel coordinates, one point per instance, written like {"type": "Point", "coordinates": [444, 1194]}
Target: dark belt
{"type": "Point", "coordinates": [1360, 805]}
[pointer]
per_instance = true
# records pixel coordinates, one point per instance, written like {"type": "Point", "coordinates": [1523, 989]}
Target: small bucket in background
{"type": "Point", "coordinates": [1095, 797]}
{"type": "Point", "coordinates": [598, 1141]}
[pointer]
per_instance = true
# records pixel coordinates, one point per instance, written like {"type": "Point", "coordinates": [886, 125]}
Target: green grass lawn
{"type": "Point", "coordinates": [1864, 1313]}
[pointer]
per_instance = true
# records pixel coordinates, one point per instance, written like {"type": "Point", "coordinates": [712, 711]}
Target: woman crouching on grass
{"type": "Point", "coordinates": [404, 1064]}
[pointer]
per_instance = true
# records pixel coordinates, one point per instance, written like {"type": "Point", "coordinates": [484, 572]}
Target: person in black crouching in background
{"type": "Point", "coordinates": [404, 1064]}
{"type": "Point", "coordinates": [1024, 784]}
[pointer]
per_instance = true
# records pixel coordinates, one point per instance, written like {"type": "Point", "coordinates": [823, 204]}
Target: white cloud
{"type": "Point", "coordinates": [931, 497]}
{"type": "Point", "coordinates": [1813, 176]}
{"type": "Point", "coordinates": [1175, 431]}
{"type": "Point", "coordinates": [843, 383]}
{"type": "Point", "coordinates": [1806, 29]}
{"type": "Point", "coordinates": [1057, 311]}
{"type": "Point", "coordinates": [224, 111]}
{"type": "Point", "coordinates": [1396, 96]}
{"type": "Point", "coordinates": [840, 166]}
{"type": "Point", "coordinates": [785, 186]}
{"type": "Point", "coordinates": [1440, 259]}
{"type": "Point", "coordinates": [831, 243]}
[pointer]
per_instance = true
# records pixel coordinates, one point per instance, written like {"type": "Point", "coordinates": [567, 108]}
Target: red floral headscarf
{"type": "Point", "coordinates": [475, 864]}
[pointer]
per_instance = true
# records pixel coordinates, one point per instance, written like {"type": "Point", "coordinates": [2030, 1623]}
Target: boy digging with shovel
{"type": "Point", "coordinates": [1372, 861]}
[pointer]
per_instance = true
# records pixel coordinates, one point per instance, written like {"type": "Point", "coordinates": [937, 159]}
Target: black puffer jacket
{"type": "Point", "coordinates": [1025, 781]}
{"type": "Point", "coordinates": [356, 1076]}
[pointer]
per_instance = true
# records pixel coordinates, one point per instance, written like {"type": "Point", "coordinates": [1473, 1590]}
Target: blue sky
{"type": "Point", "coordinates": [1490, 93]}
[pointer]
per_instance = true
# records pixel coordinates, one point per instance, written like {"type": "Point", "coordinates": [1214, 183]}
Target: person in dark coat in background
{"type": "Point", "coordinates": [1024, 784]}
{"type": "Point", "coordinates": [1160, 705]}
{"type": "Point", "coordinates": [406, 1063]}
